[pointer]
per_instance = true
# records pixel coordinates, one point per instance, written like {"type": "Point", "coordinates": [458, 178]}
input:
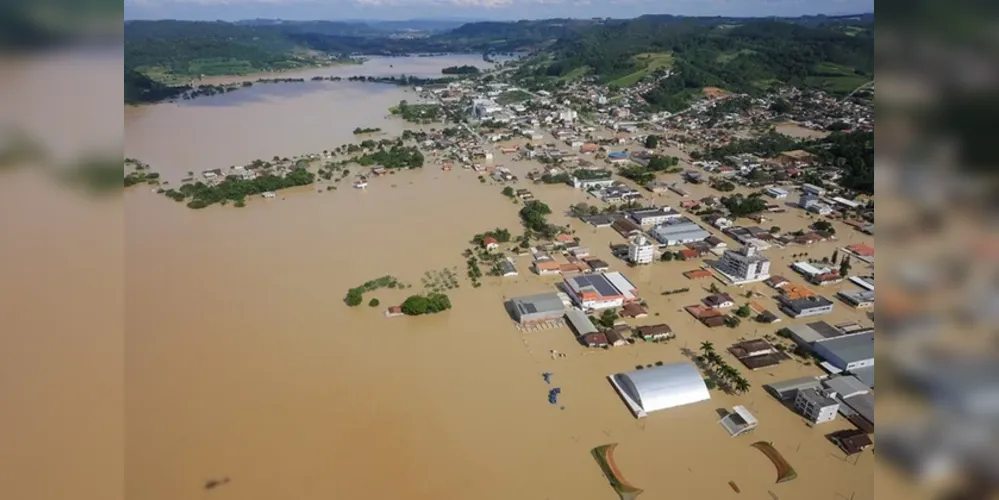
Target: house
{"type": "Point", "coordinates": [490, 243]}
{"type": "Point", "coordinates": [861, 250]}
{"type": "Point", "coordinates": [600, 220]}
{"type": "Point", "coordinates": [634, 310]}
{"type": "Point", "coordinates": [757, 354]}
{"type": "Point", "coordinates": [851, 441]}
{"type": "Point", "coordinates": [616, 335]}
{"type": "Point", "coordinates": [593, 183]}
{"type": "Point", "coordinates": [827, 278]}
{"type": "Point", "coordinates": [565, 239]}
{"type": "Point", "coordinates": [626, 227]}
{"type": "Point", "coordinates": [812, 189]}
{"type": "Point", "coordinates": [787, 390]}
{"type": "Point", "coordinates": [597, 265]}
{"type": "Point", "coordinates": [394, 312]}
{"type": "Point", "coordinates": [689, 253]}
{"type": "Point", "coordinates": [653, 333]}
{"type": "Point", "coordinates": [719, 301]}
{"type": "Point", "coordinates": [776, 282]}
{"type": "Point", "coordinates": [597, 339]}
{"type": "Point", "coordinates": [547, 267]}
{"type": "Point", "coordinates": [712, 318]}
{"type": "Point", "coordinates": [214, 173]}
{"type": "Point", "coordinates": [507, 268]}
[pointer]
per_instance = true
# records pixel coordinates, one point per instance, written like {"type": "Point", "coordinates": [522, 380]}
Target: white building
{"type": "Point", "coordinates": [567, 115]}
{"type": "Point", "coordinates": [776, 193]}
{"type": "Point", "coordinates": [816, 405]}
{"type": "Point", "coordinates": [813, 189]}
{"type": "Point", "coordinates": [484, 108]}
{"type": "Point", "coordinates": [640, 251]}
{"type": "Point", "coordinates": [744, 265]}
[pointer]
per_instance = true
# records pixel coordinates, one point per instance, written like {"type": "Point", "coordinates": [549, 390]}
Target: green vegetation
{"type": "Point", "coordinates": [767, 145]}
{"type": "Point", "coordinates": [432, 303]}
{"type": "Point", "coordinates": [533, 215]}
{"type": "Point", "coordinates": [723, 185]}
{"type": "Point", "coordinates": [501, 235]}
{"type": "Point", "coordinates": [744, 206]}
{"type": "Point", "coordinates": [397, 157]}
{"type": "Point", "coordinates": [359, 130]}
{"type": "Point", "coordinates": [648, 64]}
{"type": "Point", "coordinates": [373, 303]}
{"type": "Point", "coordinates": [418, 113]}
{"type": "Point", "coordinates": [237, 189]}
{"type": "Point", "coordinates": [652, 142]}
{"type": "Point", "coordinates": [853, 153]}
{"type": "Point", "coordinates": [575, 74]}
{"type": "Point", "coordinates": [639, 174]}
{"type": "Point", "coordinates": [461, 70]}
{"type": "Point", "coordinates": [356, 295]}
{"type": "Point", "coordinates": [440, 281]}
{"type": "Point", "coordinates": [509, 192]}
{"type": "Point", "coordinates": [606, 319]}
{"type": "Point", "coordinates": [134, 178]}
{"type": "Point", "coordinates": [604, 456]}
{"type": "Point", "coordinates": [512, 96]}
{"type": "Point", "coordinates": [744, 311]}
{"type": "Point", "coordinates": [723, 373]}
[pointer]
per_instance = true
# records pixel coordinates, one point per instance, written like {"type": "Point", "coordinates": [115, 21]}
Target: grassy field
{"type": "Point", "coordinates": [574, 74]}
{"type": "Point", "coordinates": [512, 97]}
{"type": "Point", "coordinates": [835, 79]}
{"type": "Point", "coordinates": [647, 62]}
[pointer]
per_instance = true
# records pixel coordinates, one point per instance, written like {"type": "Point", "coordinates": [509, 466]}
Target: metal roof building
{"type": "Point", "coordinates": [537, 308]}
{"type": "Point", "coordinates": [580, 322]}
{"type": "Point", "coordinates": [660, 387]}
{"type": "Point", "coordinates": [678, 231]}
{"type": "Point", "coordinates": [848, 352]}
{"type": "Point", "coordinates": [788, 389]}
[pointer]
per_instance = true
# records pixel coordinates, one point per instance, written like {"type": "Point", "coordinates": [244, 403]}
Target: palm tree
{"type": "Point", "coordinates": [741, 385]}
{"type": "Point", "coordinates": [707, 347]}
{"type": "Point", "coordinates": [713, 358]}
{"type": "Point", "coordinates": [730, 373]}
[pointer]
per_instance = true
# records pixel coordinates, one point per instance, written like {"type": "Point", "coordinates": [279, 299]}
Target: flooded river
{"type": "Point", "coordinates": [242, 361]}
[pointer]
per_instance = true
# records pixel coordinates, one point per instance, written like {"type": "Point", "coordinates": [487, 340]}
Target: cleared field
{"type": "Point", "coordinates": [574, 74]}
{"type": "Point", "coordinates": [726, 57]}
{"type": "Point", "coordinates": [836, 84]}
{"type": "Point", "coordinates": [648, 62]}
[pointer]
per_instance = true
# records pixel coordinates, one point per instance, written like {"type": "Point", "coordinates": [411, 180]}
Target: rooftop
{"type": "Point", "coordinates": [851, 348]}
{"type": "Point", "coordinates": [544, 302]}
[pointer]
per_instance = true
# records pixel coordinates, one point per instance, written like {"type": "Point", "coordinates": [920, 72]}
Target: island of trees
{"type": "Point", "coordinates": [432, 303]}
{"type": "Point", "coordinates": [418, 113]}
{"type": "Point", "coordinates": [360, 131]}
{"type": "Point", "coordinates": [355, 296]}
{"type": "Point", "coordinates": [461, 70]}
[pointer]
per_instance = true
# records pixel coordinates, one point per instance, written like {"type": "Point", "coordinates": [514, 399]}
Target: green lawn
{"type": "Point", "coordinates": [512, 97]}
{"type": "Point", "coordinates": [836, 84]}
{"type": "Point", "coordinates": [647, 62]}
{"type": "Point", "coordinates": [726, 57]}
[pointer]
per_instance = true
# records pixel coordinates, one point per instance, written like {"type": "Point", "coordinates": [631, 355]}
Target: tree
{"type": "Point", "coordinates": [373, 303]}
{"type": "Point", "coordinates": [732, 321]}
{"type": "Point", "coordinates": [844, 267]}
{"type": "Point", "coordinates": [707, 347]}
{"type": "Point", "coordinates": [774, 229]}
{"type": "Point", "coordinates": [666, 257]}
{"type": "Point", "coordinates": [729, 373]}
{"type": "Point", "coordinates": [835, 256]}
{"type": "Point", "coordinates": [652, 142]}
{"type": "Point", "coordinates": [354, 297]}
{"type": "Point", "coordinates": [744, 311]}
{"type": "Point", "coordinates": [710, 384]}
{"type": "Point", "coordinates": [508, 192]}
{"type": "Point", "coordinates": [822, 225]}
{"type": "Point", "coordinates": [741, 385]}
{"type": "Point", "coordinates": [416, 305]}
{"type": "Point", "coordinates": [714, 288]}
{"type": "Point", "coordinates": [607, 318]}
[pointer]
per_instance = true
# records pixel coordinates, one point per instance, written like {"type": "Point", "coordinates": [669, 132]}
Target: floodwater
{"type": "Point", "coordinates": [242, 361]}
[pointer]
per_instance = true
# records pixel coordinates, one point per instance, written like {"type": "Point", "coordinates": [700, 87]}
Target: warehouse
{"type": "Point", "coordinates": [846, 353]}
{"type": "Point", "coordinates": [660, 387]}
{"type": "Point", "coordinates": [787, 390]}
{"type": "Point", "coordinates": [678, 232]}
{"type": "Point", "coordinates": [536, 309]}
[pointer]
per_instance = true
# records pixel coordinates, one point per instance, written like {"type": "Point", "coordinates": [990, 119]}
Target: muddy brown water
{"type": "Point", "coordinates": [241, 361]}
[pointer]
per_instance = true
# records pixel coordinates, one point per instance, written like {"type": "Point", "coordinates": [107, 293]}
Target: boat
{"type": "Point", "coordinates": [361, 184]}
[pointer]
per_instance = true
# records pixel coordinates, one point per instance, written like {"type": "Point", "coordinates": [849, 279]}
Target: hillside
{"type": "Point", "coordinates": [737, 55]}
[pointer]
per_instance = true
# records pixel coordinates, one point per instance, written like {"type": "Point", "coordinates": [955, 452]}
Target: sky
{"type": "Point", "coordinates": [232, 10]}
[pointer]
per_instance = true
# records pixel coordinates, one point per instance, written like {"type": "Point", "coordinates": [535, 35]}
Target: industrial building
{"type": "Point", "coordinates": [536, 309]}
{"type": "Point", "coordinates": [787, 390]}
{"type": "Point", "coordinates": [820, 331]}
{"type": "Point", "coordinates": [660, 387]}
{"type": "Point", "coordinates": [846, 353]}
{"type": "Point", "coordinates": [678, 232]}
{"type": "Point", "coordinates": [600, 291]}
{"type": "Point", "coordinates": [805, 306]}
{"type": "Point", "coordinates": [744, 265]}
{"type": "Point", "coordinates": [654, 216]}
{"type": "Point", "coordinates": [580, 323]}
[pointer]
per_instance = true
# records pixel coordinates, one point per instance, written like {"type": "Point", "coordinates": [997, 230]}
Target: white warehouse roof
{"type": "Point", "coordinates": [660, 387]}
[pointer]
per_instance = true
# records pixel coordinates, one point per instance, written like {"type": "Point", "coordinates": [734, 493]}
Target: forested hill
{"type": "Point", "coordinates": [747, 56]}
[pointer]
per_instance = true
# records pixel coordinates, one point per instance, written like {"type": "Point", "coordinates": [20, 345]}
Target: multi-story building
{"type": "Point", "coordinates": [678, 232]}
{"type": "Point", "coordinates": [817, 405]}
{"type": "Point", "coordinates": [640, 251]}
{"type": "Point", "coordinates": [811, 305]}
{"type": "Point", "coordinates": [744, 265]}
{"type": "Point", "coordinates": [654, 216]}
{"type": "Point", "coordinates": [600, 291]}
